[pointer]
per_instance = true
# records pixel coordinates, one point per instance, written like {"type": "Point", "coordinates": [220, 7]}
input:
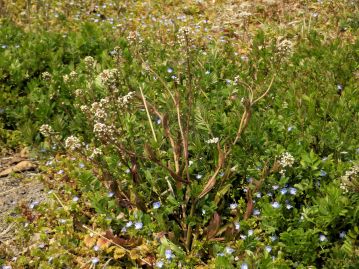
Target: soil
{"type": "Point", "coordinates": [16, 189]}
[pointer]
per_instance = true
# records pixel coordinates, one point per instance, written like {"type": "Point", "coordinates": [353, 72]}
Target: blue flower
{"type": "Point", "coordinates": [95, 260]}
{"type": "Point", "coordinates": [110, 194]}
{"type": "Point", "coordinates": [207, 72]}
{"type": "Point", "coordinates": [129, 224]}
{"type": "Point", "coordinates": [81, 165]}
{"type": "Point", "coordinates": [250, 232]}
{"type": "Point", "coordinates": [233, 206]}
{"type": "Point", "coordinates": [75, 199]}
{"type": "Point", "coordinates": [283, 191]}
{"type": "Point", "coordinates": [323, 173]}
{"type": "Point", "coordinates": [244, 266]}
{"type": "Point", "coordinates": [258, 194]}
{"type": "Point", "coordinates": [237, 225]}
{"type": "Point", "coordinates": [273, 238]}
{"type": "Point", "coordinates": [288, 206]}
{"type": "Point", "coordinates": [322, 238]}
{"type": "Point", "coordinates": [138, 225]}
{"type": "Point", "coordinates": [168, 254]}
{"type": "Point", "coordinates": [156, 205]}
{"type": "Point", "coordinates": [275, 187]}
{"type": "Point", "coordinates": [342, 234]}
{"type": "Point", "coordinates": [159, 264]}
{"type": "Point", "coordinates": [256, 212]}
{"type": "Point", "coordinates": [275, 205]}
{"type": "Point", "coordinates": [96, 248]}
{"type": "Point", "coordinates": [221, 254]}
{"type": "Point", "coordinates": [169, 70]}
{"type": "Point", "coordinates": [290, 128]}
{"type": "Point", "coordinates": [198, 176]}
{"type": "Point", "coordinates": [293, 191]}
{"type": "Point", "coordinates": [268, 248]}
{"type": "Point", "coordinates": [229, 250]}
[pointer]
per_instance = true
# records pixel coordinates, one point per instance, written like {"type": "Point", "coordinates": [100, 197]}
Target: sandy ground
{"type": "Point", "coordinates": [16, 189]}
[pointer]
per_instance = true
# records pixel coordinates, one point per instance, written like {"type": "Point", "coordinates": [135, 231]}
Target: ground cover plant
{"type": "Point", "coordinates": [170, 145]}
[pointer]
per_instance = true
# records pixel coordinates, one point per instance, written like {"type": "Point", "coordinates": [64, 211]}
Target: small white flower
{"type": "Point", "coordinates": [214, 140]}
{"type": "Point", "coordinates": [237, 225]}
{"type": "Point", "coordinates": [268, 248]}
{"type": "Point", "coordinates": [244, 266]}
{"type": "Point", "coordinates": [233, 206]}
{"type": "Point", "coordinates": [250, 232]}
{"type": "Point", "coordinates": [198, 176]}
{"type": "Point", "coordinates": [96, 248]}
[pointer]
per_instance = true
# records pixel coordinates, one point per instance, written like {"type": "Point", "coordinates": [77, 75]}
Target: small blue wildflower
{"type": "Point", "coordinates": [342, 234]}
{"type": "Point", "coordinates": [237, 225]}
{"type": "Point", "coordinates": [275, 187]}
{"type": "Point", "coordinates": [221, 254]}
{"type": "Point", "coordinates": [273, 238]}
{"type": "Point", "coordinates": [229, 250]}
{"type": "Point", "coordinates": [256, 212]}
{"type": "Point", "coordinates": [283, 191]}
{"type": "Point", "coordinates": [159, 264]}
{"type": "Point", "coordinates": [258, 194]}
{"type": "Point", "coordinates": [75, 199]}
{"type": "Point", "coordinates": [168, 254]}
{"type": "Point", "coordinates": [138, 225]}
{"type": "Point", "coordinates": [169, 70]}
{"type": "Point", "coordinates": [156, 205]}
{"type": "Point", "coordinates": [269, 194]}
{"type": "Point", "coordinates": [249, 179]}
{"type": "Point", "coordinates": [208, 72]}
{"type": "Point", "coordinates": [42, 245]}
{"type": "Point", "coordinates": [290, 128]}
{"type": "Point", "coordinates": [6, 267]}
{"type": "Point", "coordinates": [62, 221]}
{"type": "Point", "coordinates": [322, 238]}
{"type": "Point", "coordinates": [228, 81]}
{"type": "Point", "coordinates": [244, 266]}
{"type": "Point", "coordinates": [129, 224]}
{"type": "Point", "coordinates": [96, 248]}
{"type": "Point", "coordinates": [110, 194]}
{"type": "Point", "coordinates": [123, 230]}
{"type": "Point", "coordinates": [250, 232]}
{"type": "Point", "coordinates": [221, 174]}
{"type": "Point", "coordinates": [268, 248]}
{"type": "Point", "coordinates": [95, 260]}
{"type": "Point", "coordinates": [233, 206]}
{"type": "Point", "coordinates": [81, 165]}
{"type": "Point", "coordinates": [243, 237]}
{"type": "Point", "coordinates": [289, 206]}
{"type": "Point", "coordinates": [127, 171]}
{"type": "Point", "coordinates": [323, 173]}
{"type": "Point", "coordinates": [339, 87]}
{"type": "Point", "coordinates": [198, 176]}
{"type": "Point", "coordinates": [293, 191]}
{"type": "Point", "coordinates": [173, 77]}
{"type": "Point", "coordinates": [4, 46]}
{"type": "Point", "coordinates": [275, 205]}
{"type": "Point", "coordinates": [60, 172]}
{"type": "Point", "coordinates": [158, 121]}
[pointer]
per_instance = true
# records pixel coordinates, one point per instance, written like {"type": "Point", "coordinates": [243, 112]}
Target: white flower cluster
{"type": "Point", "coordinates": [72, 143]}
{"type": "Point", "coordinates": [349, 177]}
{"type": "Point", "coordinates": [46, 130]}
{"type": "Point", "coordinates": [125, 100]}
{"type": "Point", "coordinates": [79, 93]}
{"type": "Point", "coordinates": [184, 36]}
{"type": "Point", "coordinates": [134, 37]}
{"type": "Point", "coordinates": [285, 46]}
{"type": "Point", "coordinates": [89, 62]}
{"type": "Point", "coordinates": [213, 140]}
{"type": "Point", "coordinates": [103, 130]}
{"type": "Point", "coordinates": [46, 76]}
{"type": "Point", "coordinates": [286, 160]}
{"type": "Point", "coordinates": [98, 109]}
{"type": "Point", "coordinates": [95, 152]}
{"type": "Point", "coordinates": [109, 76]}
